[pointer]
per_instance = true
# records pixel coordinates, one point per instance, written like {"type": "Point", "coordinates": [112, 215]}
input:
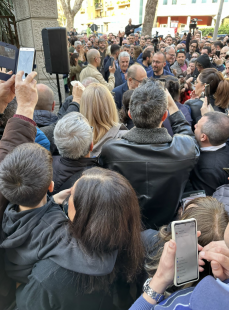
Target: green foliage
{"type": "Point", "coordinates": [223, 29]}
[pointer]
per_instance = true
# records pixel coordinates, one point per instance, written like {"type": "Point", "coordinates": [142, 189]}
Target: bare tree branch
{"type": "Point", "coordinates": [76, 6]}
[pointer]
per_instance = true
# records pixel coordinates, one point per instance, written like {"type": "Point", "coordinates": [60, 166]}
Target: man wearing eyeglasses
{"type": "Point", "coordinates": [170, 55]}
{"type": "Point", "coordinates": [158, 64]}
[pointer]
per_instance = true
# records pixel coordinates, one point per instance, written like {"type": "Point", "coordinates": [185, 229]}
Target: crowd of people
{"type": "Point", "coordinates": [87, 195]}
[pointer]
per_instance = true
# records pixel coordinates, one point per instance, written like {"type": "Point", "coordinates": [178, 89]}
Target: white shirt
{"type": "Point", "coordinates": [212, 148]}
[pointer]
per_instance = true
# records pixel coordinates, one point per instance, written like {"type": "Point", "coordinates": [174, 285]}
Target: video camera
{"type": "Point", "coordinates": [155, 41]}
{"type": "Point", "coordinates": [193, 23]}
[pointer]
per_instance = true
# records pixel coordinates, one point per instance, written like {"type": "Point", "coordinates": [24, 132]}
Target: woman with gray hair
{"type": "Point", "coordinates": [73, 138]}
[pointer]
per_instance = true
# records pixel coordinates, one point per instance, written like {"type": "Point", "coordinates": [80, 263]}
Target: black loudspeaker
{"type": "Point", "coordinates": [55, 50]}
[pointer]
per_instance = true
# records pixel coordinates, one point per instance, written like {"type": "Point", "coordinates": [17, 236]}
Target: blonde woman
{"type": "Point", "coordinates": [98, 106]}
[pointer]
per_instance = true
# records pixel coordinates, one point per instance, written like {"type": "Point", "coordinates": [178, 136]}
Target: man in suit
{"type": "Point", "coordinates": [212, 134]}
{"type": "Point", "coordinates": [120, 73]}
{"type": "Point", "coordinates": [135, 75]}
{"type": "Point", "coordinates": [115, 51]}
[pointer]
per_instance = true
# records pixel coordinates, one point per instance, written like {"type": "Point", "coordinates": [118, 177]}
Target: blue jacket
{"type": "Point", "coordinates": [209, 294]}
{"type": "Point", "coordinates": [118, 78]}
{"type": "Point", "coordinates": [149, 68]}
{"type": "Point", "coordinates": [167, 67]}
{"type": "Point", "coordinates": [119, 91]}
{"type": "Point", "coordinates": [42, 139]}
{"type": "Point", "coordinates": [106, 69]}
{"type": "Point", "coordinates": [151, 74]}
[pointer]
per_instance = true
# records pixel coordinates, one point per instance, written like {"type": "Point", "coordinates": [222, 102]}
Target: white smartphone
{"type": "Point", "coordinates": [26, 59]}
{"type": "Point", "coordinates": [184, 233]}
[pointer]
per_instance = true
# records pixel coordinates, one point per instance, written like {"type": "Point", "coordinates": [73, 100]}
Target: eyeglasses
{"type": "Point", "coordinates": [157, 62]}
{"type": "Point", "coordinates": [137, 80]}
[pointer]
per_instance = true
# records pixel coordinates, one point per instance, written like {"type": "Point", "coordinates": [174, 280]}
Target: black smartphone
{"type": "Point", "coordinates": [207, 91]}
{"type": "Point", "coordinates": [226, 169]}
{"type": "Point", "coordinates": [217, 53]}
{"type": "Point", "coordinates": [112, 61]}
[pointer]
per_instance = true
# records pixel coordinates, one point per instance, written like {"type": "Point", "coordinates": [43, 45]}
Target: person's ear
{"type": "Point", "coordinates": [204, 138]}
{"type": "Point", "coordinates": [164, 116]}
{"type": "Point", "coordinates": [129, 114]}
{"type": "Point", "coordinates": [53, 105]}
{"type": "Point", "coordinates": [51, 187]}
{"type": "Point", "coordinates": [91, 146]}
{"type": "Point", "coordinates": [164, 64]}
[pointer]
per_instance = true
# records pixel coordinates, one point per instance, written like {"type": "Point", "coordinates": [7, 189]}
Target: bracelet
{"type": "Point", "coordinates": [151, 293]}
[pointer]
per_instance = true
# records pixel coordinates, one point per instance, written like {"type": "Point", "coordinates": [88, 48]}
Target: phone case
{"type": "Point", "coordinates": [173, 237]}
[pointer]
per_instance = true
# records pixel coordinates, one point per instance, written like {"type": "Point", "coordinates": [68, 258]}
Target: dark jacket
{"type": "Point", "coordinates": [17, 131]}
{"type": "Point", "coordinates": [118, 78]}
{"type": "Point", "coordinates": [196, 105]}
{"type": "Point", "coordinates": [119, 91]}
{"type": "Point", "coordinates": [66, 168]}
{"type": "Point", "coordinates": [53, 287]}
{"type": "Point", "coordinates": [151, 74]}
{"type": "Point", "coordinates": [70, 106]}
{"type": "Point", "coordinates": [36, 234]}
{"type": "Point", "coordinates": [184, 109]}
{"type": "Point", "coordinates": [208, 174]}
{"type": "Point", "coordinates": [129, 27]}
{"type": "Point", "coordinates": [106, 69]}
{"type": "Point", "coordinates": [44, 118]}
{"type": "Point", "coordinates": [155, 163]}
{"type": "Point", "coordinates": [167, 67]}
{"type": "Point", "coordinates": [149, 68]}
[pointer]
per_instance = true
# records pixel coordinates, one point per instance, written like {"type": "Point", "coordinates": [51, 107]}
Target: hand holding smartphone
{"type": "Point", "coordinates": [184, 233]}
{"type": "Point", "coordinates": [26, 60]}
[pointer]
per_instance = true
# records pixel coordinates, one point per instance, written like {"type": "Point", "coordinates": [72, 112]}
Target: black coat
{"type": "Point", "coordinates": [129, 27]}
{"type": "Point", "coordinates": [208, 174]}
{"type": "Point", "coordinates": [66, 169]}
{"type": "Point", "coordinates": [196, 105]}
{"type": "Point", "coordinates": [156, 165]}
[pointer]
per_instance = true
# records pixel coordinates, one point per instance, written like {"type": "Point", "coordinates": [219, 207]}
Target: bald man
{"type": "Point", "coordinates": [94, 61]}
{"type": "Point", "coordinates": [135, 75]}
{"type": "Point", "coordinates": [43, 114]}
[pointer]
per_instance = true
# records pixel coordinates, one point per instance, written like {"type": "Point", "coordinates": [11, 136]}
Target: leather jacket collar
{"type": "Point", "coordinates": [148, 136]}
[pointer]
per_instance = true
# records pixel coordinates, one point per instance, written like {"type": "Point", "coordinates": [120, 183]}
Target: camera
{"type": "Point", "coordinates": [193, 23]}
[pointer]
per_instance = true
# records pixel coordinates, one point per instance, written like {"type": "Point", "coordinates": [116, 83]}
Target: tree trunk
{"type": "Point", "coordinates": [150, 11]}
{"type": "Point", "coordinates": [70, 21]}
{"type": "Point", "coordinates": [70, 12]}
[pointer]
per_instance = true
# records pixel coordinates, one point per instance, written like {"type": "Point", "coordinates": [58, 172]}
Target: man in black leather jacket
{"type": "Point", "coordinates": [156, 165]}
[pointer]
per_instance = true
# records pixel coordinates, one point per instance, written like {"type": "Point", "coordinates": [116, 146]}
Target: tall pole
{"type": "Point", "coordinates": [218, 19]}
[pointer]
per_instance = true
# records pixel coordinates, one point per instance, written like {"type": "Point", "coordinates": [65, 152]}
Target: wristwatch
{"type": "Point", "coordinates": [154, 295]}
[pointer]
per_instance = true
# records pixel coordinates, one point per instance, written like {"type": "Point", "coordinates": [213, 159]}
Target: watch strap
{"type": "Point", "coordinates": [151, 293]}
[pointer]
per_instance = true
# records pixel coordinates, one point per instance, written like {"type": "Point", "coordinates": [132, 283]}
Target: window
{"type": "Point", "coordinates": [174, 1]}
{"type": "Point", "coordinates": [91, 2]}
{"type": "Point", "coordinates": [165, 2]}
{"type": "Point", "coordinates": [225, 0]}
{"type": "Point", "coordinates": [193, 1]}
{"type": "Point", "coordinates": [214, 1]}
{"type": "Point", "coordinates": [91, 15]}
{"type": "Point", "coordinates": [204, 1]}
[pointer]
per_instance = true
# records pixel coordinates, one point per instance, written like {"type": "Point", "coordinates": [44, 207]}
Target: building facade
{"type": "Point", "coordinates": [113, 15]}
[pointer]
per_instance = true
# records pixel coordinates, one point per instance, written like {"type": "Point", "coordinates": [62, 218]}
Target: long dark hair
{"type": "Point", "coordinates": [218, 86]}
{"type": "Point", "coordinates": [173, 85]}
{"type": "Point", "coordinates": [72, 59]}
{"type": "Point", "coordinates": [123, 113]}
{"type": "Point", "coordinates": [108, 219]}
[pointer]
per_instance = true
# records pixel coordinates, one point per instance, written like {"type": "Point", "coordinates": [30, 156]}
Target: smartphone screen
{"type": "Point", "coordinates": [217, 53]}
{"type": "Point", "coordinates": [25, 61]}
{"type": "Point", "coordinates": [186, 262]}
